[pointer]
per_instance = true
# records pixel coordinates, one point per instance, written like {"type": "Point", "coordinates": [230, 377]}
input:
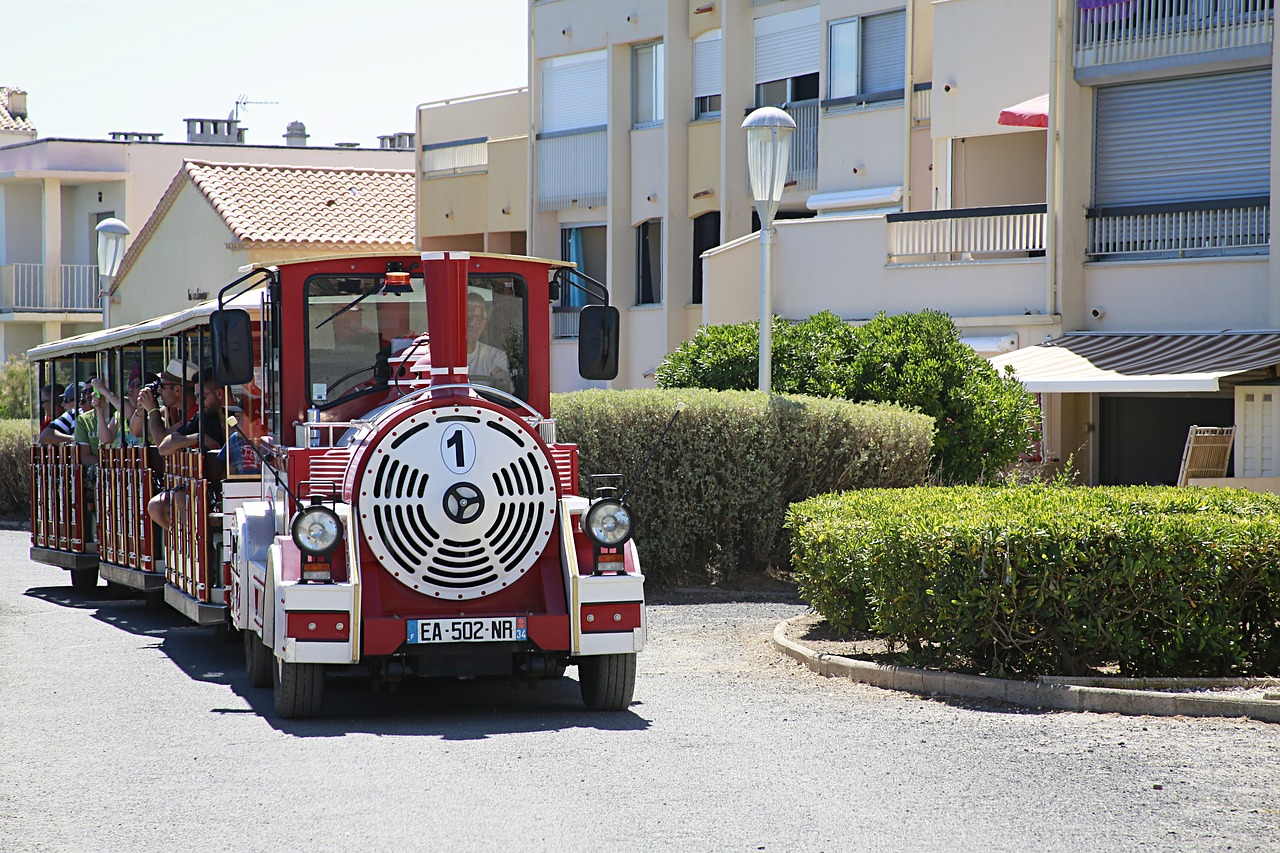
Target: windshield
{"type": "Point", "coordinates": [347, 350]}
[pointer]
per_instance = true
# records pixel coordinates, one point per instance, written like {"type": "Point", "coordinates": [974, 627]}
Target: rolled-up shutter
{"type": "Point", "coordinates": [707, 61]}
{"type": "Point", "coordinates": [1189, 139]}
{"type": "Point", "coordinates": [575, 92]}
{"type": "Point", "coordinates": [788, 45]}
{"type": "Point", "coordinates": [884, 52]}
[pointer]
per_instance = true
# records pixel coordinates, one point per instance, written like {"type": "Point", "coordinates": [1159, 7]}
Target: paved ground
{"type": "Point", "coordinates": [122, 729]}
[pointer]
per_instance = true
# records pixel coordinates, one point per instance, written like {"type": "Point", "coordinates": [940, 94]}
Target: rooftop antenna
{"type": "Point", "coordinates": [244, 102]}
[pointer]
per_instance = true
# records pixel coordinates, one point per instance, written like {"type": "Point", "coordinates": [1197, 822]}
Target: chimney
{"type": "Point", "coordinates": [346, 145]}
{"type": "Point", "coordinates": [295, 135]}
{"type": "Point", "coordinates": [17, 103]}
{"type": "Point", "coordinates": [215, 131]}
{"type": "Point", "coordinates": [396, 141]}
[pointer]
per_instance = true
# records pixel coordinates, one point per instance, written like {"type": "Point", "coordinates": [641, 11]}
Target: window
{"type": "Point", "coordinates": [575, 92]}
{"type": "Point", "coordinates": [868, 57]}
{"type": "Point", "coordinates": [706, 235]}
{"type": "Point", "coordinates": [649, 262]}
{"type": "Point", "coordinates": [787, 91]}
{"type": "Point", "coordinates": [648, 89]}
{"type": "Point", "coordinates": [788, 53]}
{"type": "Point", "coordinates": [586, 246]}
{"type": "Point", "coordinates": [707, 75]}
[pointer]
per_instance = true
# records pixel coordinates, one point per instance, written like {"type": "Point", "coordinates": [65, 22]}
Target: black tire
{"type": "Point", "coordinates": [299, 689]}
{"type": "Point", "coordinates": [84, 580]}
{"type": "Point", "coordinates": [153, 598]}
{"type": "Point", "coordinates": [608, 681]}
{"type": "Point", "coordinates": [258, 660]}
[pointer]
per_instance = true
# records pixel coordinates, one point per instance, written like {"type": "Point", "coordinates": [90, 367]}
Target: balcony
{"type": "Point", "coordinates": [464, 157]}
{"type": "Point", "coordinates": [1215, 228]}
{"type": "Point", "coordinates": [573, 169]}
{"type": "Point", "coordinates": [50, 288]}
{"type": "Point", "coordinates": [1108, 32]}
{"type": "Point", "coordinates": [967, 235]}
{"type": "Point", "coordinates": [802, 165]}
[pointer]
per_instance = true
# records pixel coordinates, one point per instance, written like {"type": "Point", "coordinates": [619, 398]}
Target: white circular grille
{"type": "Point", "coordinates": [457, 502]}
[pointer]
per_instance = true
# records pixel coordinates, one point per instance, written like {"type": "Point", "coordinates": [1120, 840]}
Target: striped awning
{"type": "Point", "coordinates": [1096, 362]}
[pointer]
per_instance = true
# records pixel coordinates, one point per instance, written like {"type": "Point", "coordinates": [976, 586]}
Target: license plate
{"type": "Point", "coordinates": [483, 630]}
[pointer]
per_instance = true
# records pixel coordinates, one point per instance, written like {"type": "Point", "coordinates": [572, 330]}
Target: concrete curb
{"type": "Point", "coordinates": [1031, 694]}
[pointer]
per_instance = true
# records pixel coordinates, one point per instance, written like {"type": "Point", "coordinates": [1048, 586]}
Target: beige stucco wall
{"type": "Point", "coordinates": [704, 166]}
{"type": "Point", "coordinates": [861, 149]}
{"type": "Point", "coordinates": [648, 173]}
{"type": "Point", "coordinates": [1001, 169]}
{"type": "Point", "coordinates": [493, 116]}
{"type": "Point", "coordinates": [508, 184]}
{"type": "Point", "coordinates": [992, 53]}
{"type": "Point", "coordinates": [1183, 295]}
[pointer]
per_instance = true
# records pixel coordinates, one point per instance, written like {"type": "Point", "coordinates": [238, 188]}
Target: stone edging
{"type": "Point", "coordinates": [1026, 693]}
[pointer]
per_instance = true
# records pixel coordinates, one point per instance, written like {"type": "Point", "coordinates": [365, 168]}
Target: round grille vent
{"type": "Point", "coordinates": [457, 502]}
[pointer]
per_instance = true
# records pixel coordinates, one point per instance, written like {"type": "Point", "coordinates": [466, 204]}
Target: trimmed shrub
{"type": "Point", "coordinates": [15, 467]}
{"type": "Point", "coordinates": [712, 502]}
{"type": "Point", "coordinates": [1048, 579]}
{"type": "Point", "coordinates": [984, 420]}
{"type": "Point", "coordinates": [16, 380]}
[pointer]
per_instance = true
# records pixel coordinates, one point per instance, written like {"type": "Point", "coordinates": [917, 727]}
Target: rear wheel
{"type": "Point", "coordinates": [84, 580]}
{"type": "Point", "coordinates": [299, 689]}
{"type": "Point", "coordinates": [154, 598]}
{"type": "Point", "coordinates": [608, 681]}
{"type": "Point", "coordinates": [258, 659]}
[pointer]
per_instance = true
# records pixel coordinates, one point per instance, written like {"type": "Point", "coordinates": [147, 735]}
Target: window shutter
{"type": "Point", "coordinates": [574, 92]}
{"type": "Point", "coordinates": [788, 45]}
{"type": "Point", "coordinates": [707, 62]}
{"type": "Point", "coordinates": [884, 52]}
{"type": "Point", "coordinates": [642, 108]}
{"type": "Point", "coordinates": [1191, 139]}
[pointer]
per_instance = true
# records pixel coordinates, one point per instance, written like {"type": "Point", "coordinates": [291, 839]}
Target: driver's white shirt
{"type": "Point", "coordinates": [487, 361]}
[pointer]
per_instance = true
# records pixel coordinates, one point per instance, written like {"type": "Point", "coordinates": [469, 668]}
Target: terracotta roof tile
{"type": "Point", "coordinates": [8, 121]}
{"type": "Point", "coordinates": [289, 205]}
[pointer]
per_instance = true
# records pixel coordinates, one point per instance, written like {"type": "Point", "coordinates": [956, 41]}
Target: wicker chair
{"type": "Point", "coordinates": [1207, 452]}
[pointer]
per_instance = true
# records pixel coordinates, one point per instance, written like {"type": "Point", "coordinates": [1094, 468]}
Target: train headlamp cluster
{"type": "Point", "coordinates": [608, 523]}
{"type": "Point", "coordinates": [317, 530]}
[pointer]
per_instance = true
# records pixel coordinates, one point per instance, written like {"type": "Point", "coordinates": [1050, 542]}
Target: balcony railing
{"type": "Point", "coordinates": [1111, 31]}
{"type": "Point", "coordinates": [573, 169]}
{"type": "Point", "coordinates": [464, 157]}
{"type": "Point", "coordinates": [50, 287]}
{"type": "Point", "coordinates": [968, 234]}
{"type": "Point", "coordinates": [922, 103]}
{"type": "Point", "coordinates": [1188, 230]}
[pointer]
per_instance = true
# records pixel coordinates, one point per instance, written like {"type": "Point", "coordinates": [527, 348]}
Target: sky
{"type": "Point", "coordinates": [350, 71]}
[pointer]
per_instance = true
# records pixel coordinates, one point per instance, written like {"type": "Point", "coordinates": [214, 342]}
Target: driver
{"type": "Point", "coordinates": [486, 365]}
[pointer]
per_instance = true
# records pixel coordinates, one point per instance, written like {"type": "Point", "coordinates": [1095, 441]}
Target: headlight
{"type": "Point", "coordinates": [608, 523]}
{"type": "Point", "coordinates": [317, 530]}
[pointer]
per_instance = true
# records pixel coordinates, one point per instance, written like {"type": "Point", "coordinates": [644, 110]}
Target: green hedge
{"type": "Point", "coordinates": [713, 500]}
{"type": "Point", "coordinates": [15, 467]}
{"type": "Point", "coordinates": [1049, 579]}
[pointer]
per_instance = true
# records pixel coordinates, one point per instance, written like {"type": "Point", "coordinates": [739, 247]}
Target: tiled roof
{"type": "Point", "coordinates": [339, 210]}
{"type": "Point", "coordinates": [8, 121]}
{"type": "Point", "coordinates": [290, 205]}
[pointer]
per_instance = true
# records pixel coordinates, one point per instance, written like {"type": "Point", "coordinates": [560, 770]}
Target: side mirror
{"type": "Point", "coordinates": [598, 337]}
{"type": "Point", "coordinates": [232, 331]}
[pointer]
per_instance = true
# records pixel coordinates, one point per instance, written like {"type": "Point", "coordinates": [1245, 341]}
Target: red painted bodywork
{"type": "Point", "coordinates": [326, 626]}
{"type": "Point", "coordinates": [622, 616]}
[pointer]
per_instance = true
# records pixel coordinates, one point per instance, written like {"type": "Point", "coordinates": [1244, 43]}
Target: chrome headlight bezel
{"type": "Point", "coordinates": [331, 524]}
{"type": "Point", "coordinates": [602, 520]}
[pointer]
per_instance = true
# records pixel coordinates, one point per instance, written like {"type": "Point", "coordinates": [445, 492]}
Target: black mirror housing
{"type": "Point", "coordinates": [598, 338]}
{"type": "Point", "coordinates": [232, 332]}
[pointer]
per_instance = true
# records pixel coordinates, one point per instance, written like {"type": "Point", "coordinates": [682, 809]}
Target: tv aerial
{"type": "Point", "coordinates": [243, 103]}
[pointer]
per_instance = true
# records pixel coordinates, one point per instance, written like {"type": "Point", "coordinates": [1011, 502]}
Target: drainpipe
{"type": "Point", "coordinates": [908, 98]}
{"type": "Point", "coordinates": [531, 182]}
{"type": "Point", "coordinates": [1053, 167]}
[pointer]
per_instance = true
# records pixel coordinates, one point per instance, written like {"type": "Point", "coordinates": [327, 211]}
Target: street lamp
{"type": "Point", "coordinates": [769, 132]}
{"type": "Point", "coordinates": [111, 234]}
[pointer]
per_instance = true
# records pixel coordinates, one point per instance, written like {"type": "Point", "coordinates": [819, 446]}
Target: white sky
{"type": "Point", "coordinates": [351, 71]}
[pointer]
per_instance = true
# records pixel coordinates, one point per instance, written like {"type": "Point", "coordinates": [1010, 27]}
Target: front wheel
{"type": "Point", "coordinates": [84, 580]}
{"type": "Point", "coordinates": [299, 689]}
{"type": "Point", "coordinates": [608, 681]}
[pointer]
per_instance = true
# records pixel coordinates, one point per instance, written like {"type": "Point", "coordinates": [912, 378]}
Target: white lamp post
{"type": "Point", "coordinates": [769, 132]}
{"type": "Point", "coordinates": [111, 234]}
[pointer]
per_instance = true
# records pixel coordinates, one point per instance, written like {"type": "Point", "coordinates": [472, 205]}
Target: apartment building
{"type": "Point", "coordinates": [54, 192]}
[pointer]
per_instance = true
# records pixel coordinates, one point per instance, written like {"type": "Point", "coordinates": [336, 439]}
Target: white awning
{"type": "Point", "coordinates": [1096, 362]}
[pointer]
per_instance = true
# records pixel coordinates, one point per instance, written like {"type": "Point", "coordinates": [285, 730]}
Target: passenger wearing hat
{"type": "Point", "coordinates": [62, 429]}
{"type": "Point", "coordinates": [154, 418]}
{"type": "Point", "coordinates": [206, 430]}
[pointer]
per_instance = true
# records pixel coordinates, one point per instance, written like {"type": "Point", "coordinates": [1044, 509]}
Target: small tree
{"type": "Point", "coordinates": [15, 388]}
{"type": "Point", "coordinates": [915, 360]}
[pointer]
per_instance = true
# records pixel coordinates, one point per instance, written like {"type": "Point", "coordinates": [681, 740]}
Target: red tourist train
{"type": "Point", "coordinates": [308, 461]}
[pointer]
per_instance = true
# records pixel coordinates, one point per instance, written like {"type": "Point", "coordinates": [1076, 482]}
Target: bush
{"type": "Point", "coordinates": [984, 420]}
{"type": "Point", "coordinates": [16, 380]}
{"type": "Point", "coordinates": [1052, 579]}
{"type": "Point", "coordinates": [15, 467]}
{"type": "Point", "coordinates": [712, 503]}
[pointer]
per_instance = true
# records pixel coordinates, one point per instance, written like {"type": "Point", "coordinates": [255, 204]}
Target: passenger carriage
{"type": "Point", "coordinates": [411, 513]}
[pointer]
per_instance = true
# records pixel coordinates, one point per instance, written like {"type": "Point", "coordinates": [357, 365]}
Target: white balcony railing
{"type": "Point", "coordinates": [922, 103]}
{"type": "Point", "coordinates": [573, 169]}
{"type": "Point", "coordinates": [50, 287]}
{"type": "Point", "coordinates": [1189, 230]}
{"type": "Point", "coordinates": [971, 234]}
{"type": "Point", "coordinates": [465, 157]}
{"type": "Point", "coordinates": [1108, 31]}
{"type": "Point", "coordinates": [802, 164]}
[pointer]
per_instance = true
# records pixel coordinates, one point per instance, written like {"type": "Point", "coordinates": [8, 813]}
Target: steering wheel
{"type": "Point", "coordinates": [337, 383]}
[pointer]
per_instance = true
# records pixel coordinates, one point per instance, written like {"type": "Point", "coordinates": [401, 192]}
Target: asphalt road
{"type": "Point", "coordinates": [127, 730]}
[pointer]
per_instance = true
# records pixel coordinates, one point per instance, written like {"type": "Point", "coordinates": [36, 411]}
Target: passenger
{"type": "Point", "coordinates": [62, 429]}
{"type": "Point", "coordinates": [109, 427]}
{"type": "Point", "coordinates": [86, 429]}
{"type": "Point", "coordinates": [486, 365]}
{"type": "Point", "coordinates": [238, 451]}
{"type": "Point", "coordinates": [154, 418]}
{"type": "Point", "coordinates": [50, 396]}
{"type": "Point", "coordinates": [188, 435]}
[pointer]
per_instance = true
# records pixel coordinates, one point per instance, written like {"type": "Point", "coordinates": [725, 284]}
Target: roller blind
{"type": "Point", "coordinates": [884, 52]}
{"type": "Point", "coordinates": [575, 92]}
{"type": "Point", "coordinates": [788, 45]}
{"type": "Point", "coordinates": [1183, 140]}
{"type": "Point", "coordinates": [707, 61]}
